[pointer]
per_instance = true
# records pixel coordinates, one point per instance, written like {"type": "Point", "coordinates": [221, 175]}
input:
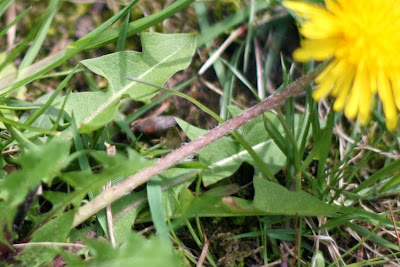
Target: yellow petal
{"type": "Point", "coordinates": [325, 82]}
{"type": "Point", "coordinates": [305, 10]}
{"type": "Point", "coordinates": [321, 27]}
{"type": "Point", "coordinates": [373, 83]}
{"type": "Point", "coordinates": [326, 72]}
{"type": "Point", "coordinates": [343, 91]}
{"type": "Point", "coordinates": [385, 93]}
{"type": "Point", "coordinates": [341, 70]}
{"type": "Point", "coordinates": [316, 49]}
{"type": "Point", "coordinates": [365, 96]}
{"type": "Point", "coordinates": [322, 90]}
{"type": "Point", "coordinates": [396, 88]}
{"type": "Point", "coordinates": [352, 106]}
{"type": "Point", "coordinates": [332, 6]}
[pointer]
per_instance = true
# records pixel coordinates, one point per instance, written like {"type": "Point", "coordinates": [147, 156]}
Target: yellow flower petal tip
{"type": "Point", "coordinates": [361, 38]}
{"type": "Point", "coordinates": [391, 125]}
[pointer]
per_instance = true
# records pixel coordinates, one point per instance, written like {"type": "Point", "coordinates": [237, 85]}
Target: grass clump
{"type": "Point", "coordinates": [172, 133]}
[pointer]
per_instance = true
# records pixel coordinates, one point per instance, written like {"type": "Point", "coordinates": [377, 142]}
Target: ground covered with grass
{"type": "Point", "coordinates": [101, 102]}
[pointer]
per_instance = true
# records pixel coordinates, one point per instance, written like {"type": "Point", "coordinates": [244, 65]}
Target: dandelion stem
{"type": "Point", "coordinates": [144, 175]}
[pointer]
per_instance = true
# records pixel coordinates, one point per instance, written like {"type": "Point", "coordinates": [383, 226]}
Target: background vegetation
{"type": "Point", "coordinates": [300, 185]}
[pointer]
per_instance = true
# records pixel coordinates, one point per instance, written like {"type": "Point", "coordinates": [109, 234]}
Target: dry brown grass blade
{"type": "Point", "coordinates": [394, 225]}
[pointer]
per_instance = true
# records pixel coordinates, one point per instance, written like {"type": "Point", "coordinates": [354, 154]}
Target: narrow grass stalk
{"type": "Point", "coordinates": [144, 175]}
{"type": "Point", "coordinates": [142, 24]}
{"type": "Point", "coordinates": [41, 67]}
{"type": "Point", "coordinates": [18, 18]}
{"type": "Point", "coordinates": [351, 250]}
{"type": "Point", "coordinates": [53, 96]}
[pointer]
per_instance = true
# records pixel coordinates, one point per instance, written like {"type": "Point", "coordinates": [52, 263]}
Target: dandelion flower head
{"type": "Point", "coordinates": [362, 41]}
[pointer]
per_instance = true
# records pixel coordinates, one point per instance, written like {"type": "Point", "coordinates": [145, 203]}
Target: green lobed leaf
{"type": "Point", "coordinates": [125, 211]}
{"type": "Point", "coordinates": [42, 163]}
{"type": "Point", "coordinates": [162, 56]}
{"type": "Point", "coordinates": [56, 230]}
{"type": "Point", "coordinates": [225, 156]}
{"type": "Point", "coordinates": [135, 251]}
{"type": "Point", "coordinates": [114, 167]}
{"type": "Point", "coordinates": [273, 198]}
{"type": "Point", "coordinates": [270, 199]}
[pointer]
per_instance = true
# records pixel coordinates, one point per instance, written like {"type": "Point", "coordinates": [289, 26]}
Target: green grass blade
{"type": "Point", "coordinates": [324, 146]}
{"type": "Point", "coordinates": [26, 127]}
{"type": "Point", "coordinates": [291, 147]}
{"type": "Point", "coordinates": [304, 131]}
{"type": "Point", "coordinates": [194, 101]}
{"type": "Point", "coordinates": [15, 21]}
{"type": "Point", "coordinates": [14, 54]}
{"type": "Point", "coordinates": [82, 159]}
{"type": "Point", "coordinates": [111, 35]}
{"type": "Point", "coordinates": [279, 35]}
{"type": "Point", "coordinates": [123, 34]}
{"type": "Point", "coordinates": [21, 139]}
{"type": "Point", "coordinates": [228, 84]}
{"type": "Point", "coordinates": [40, 111]}
{"type": "Point", "coordinates": [156, 203]}
{"type": "Point", "coordinates": [202, 18]}
{"type": "Point", "coordinates": [37, 43]}
{"type": "Point", "coordinates": [351, 250]}
{"type": "Point", "coordinates": [249, 37]}
{"type": "Point", "coordinates": [316, 127]}
{"type": "Point", "coordinates": [242, 78]}
{"type": "Point", "coordinates": [379, 175]}
{"type": "Point", "coordinates": [61, 111]}
{"type": "Point", "coordinates": [223, 26]}
{"type": "Point", "coordinates": [275, 134]}
{"type": "Point", "coordinates": [4, 6]}
{"type": "Point", "coordinates": [124, 126]}
{"type": "Point", "coordinates": [49, 63]}
{"type": "Point", "coordinates": [372, 236]}
{"type": "Point", "coordinates": [19, 107]}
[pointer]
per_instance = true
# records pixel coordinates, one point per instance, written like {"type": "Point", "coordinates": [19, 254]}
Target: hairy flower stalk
{"type": "Point", "coordinates": [144, 175]}
{"type": "Point", "coordinates": [362, 41]}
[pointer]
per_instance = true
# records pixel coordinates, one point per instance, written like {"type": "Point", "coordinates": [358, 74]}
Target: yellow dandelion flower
{"type": "Point", "coordinates": [362, 41]}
